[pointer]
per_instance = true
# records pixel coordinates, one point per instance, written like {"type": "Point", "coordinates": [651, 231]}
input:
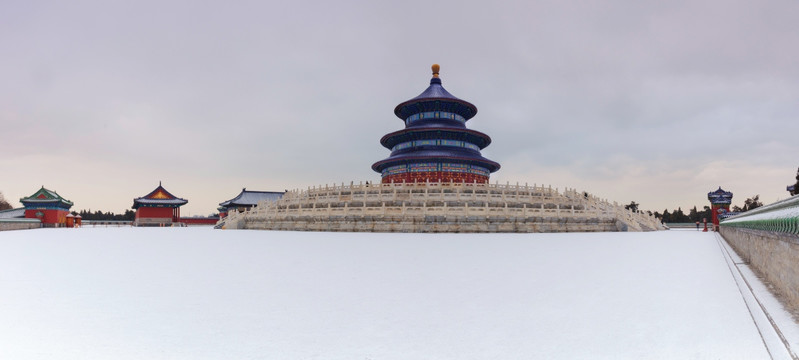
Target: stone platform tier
{"type": "Point", "coordinates": [439, 207]}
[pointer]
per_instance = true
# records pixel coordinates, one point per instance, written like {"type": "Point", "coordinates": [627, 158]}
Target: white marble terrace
{"type": "Point", "coordinates": [440, 207]}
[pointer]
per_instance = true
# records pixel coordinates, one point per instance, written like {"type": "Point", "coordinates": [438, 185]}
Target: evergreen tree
{"type": "Point", "coordinates": [752, 203]}
{"type": "Point", "coordinates": [679, 217]}
{"type": "Point", "coordinates": [633, 206]}
{"type": "Point", "coordinates": [100, 215]}
{"type": "Point", "coordinates": [749, 204]}
{"type": "Point", "coordinates": [666, 218]}
{"type": "Point", "coordinates": [707, 213]}
{"type": "Point", "coordinates": [693, 214]}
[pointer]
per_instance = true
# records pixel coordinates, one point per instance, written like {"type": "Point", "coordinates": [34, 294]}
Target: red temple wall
{"type": "Point", "coordinates": [435, 176]}
{"type": "Point", "coordinates": [199, 221]}
{"type": "Point", "coordinates": [154, 212]}
{"type": "Point", "coordinates": [51, 216]}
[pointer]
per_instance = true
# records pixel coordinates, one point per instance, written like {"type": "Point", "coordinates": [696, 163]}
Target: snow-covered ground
{"type": "Point", "coordinates": [198, 293]}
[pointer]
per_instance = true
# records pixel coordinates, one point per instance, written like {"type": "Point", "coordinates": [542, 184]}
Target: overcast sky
{"type": "Point", "coordinates": [657, 102]}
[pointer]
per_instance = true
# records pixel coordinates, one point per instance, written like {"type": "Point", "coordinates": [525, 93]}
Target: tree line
{"type": "Point", "coordinates": [694, 214]}
{"type": "Point", "coordinates": [129, 215]}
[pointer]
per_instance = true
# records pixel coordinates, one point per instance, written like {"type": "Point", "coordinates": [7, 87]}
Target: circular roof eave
{"type": "Point", "coordinates": [492, 166]}
{"type": "Point", "coordinates": [385, 138]}
{"type": "Point", "coordinates": [398, 108]}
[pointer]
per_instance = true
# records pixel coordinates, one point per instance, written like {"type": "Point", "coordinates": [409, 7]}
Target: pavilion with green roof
{"type": "Point", "coordinates": [47, 206]}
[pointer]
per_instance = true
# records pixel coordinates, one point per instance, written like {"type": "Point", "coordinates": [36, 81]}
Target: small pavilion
{"type": "Point", "coordinates": [720, 201]}
{"type": "Point", "coordinates": [247, 199]}
{"type": "Point", "coordinates": [47, 206]}
{"type": "Point", "coordinates": [158, 208]}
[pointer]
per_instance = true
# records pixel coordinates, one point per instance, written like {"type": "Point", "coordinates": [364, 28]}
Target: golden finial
{"type": "Point", "coordinates": [435, 68]}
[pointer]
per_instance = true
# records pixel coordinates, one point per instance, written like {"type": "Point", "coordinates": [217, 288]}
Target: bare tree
{"type": "Point", "coordinates": [4, 205]}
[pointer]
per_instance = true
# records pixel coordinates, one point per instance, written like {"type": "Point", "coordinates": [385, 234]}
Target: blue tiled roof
{"type": "Point", "coordinates": [411, 133]}
{"type": "Point", "coordinates": [433, 117]}
{"type": "Point", "coordinates": [250, 198]}
{"type": "Point", "coordinates": [435, 98]}
{"type": "Point", "coordinates": [720, 196]}
{"type": "Point", "coordinates": [465, 156]}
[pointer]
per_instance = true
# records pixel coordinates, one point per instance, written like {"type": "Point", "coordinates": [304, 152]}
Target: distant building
{"type": "Point", "coordinates": [47, 206]}
{"type": "Point", "coordinates": [720, 201]}
{"type": "Point", "coordinates": [247, 199]}
{"type": "Point", "coordinates": [158, 208]}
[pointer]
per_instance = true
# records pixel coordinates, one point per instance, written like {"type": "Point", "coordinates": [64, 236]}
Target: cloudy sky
{"type": "Point", "coordinates": [656, 102]}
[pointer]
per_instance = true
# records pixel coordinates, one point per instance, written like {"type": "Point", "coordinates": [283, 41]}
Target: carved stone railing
{"type": "Point", "coordinates": [768, 239]}
{"type": "Point", "coordinates": [779, 217]}
{"type": "Point", "coordinates": [441, 207]}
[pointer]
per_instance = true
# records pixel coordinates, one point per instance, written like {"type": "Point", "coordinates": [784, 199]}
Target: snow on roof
{"type": "Point", "coordinates": [160, 201]}
{"type": "Point", "coordinates": [46, 196]}
{"type": "Point", "coordinates": [159, 196]}
{"type": "Point", "coordinates": [249, 198]}
{"type": "Point", "coordinates": [12, 213]}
